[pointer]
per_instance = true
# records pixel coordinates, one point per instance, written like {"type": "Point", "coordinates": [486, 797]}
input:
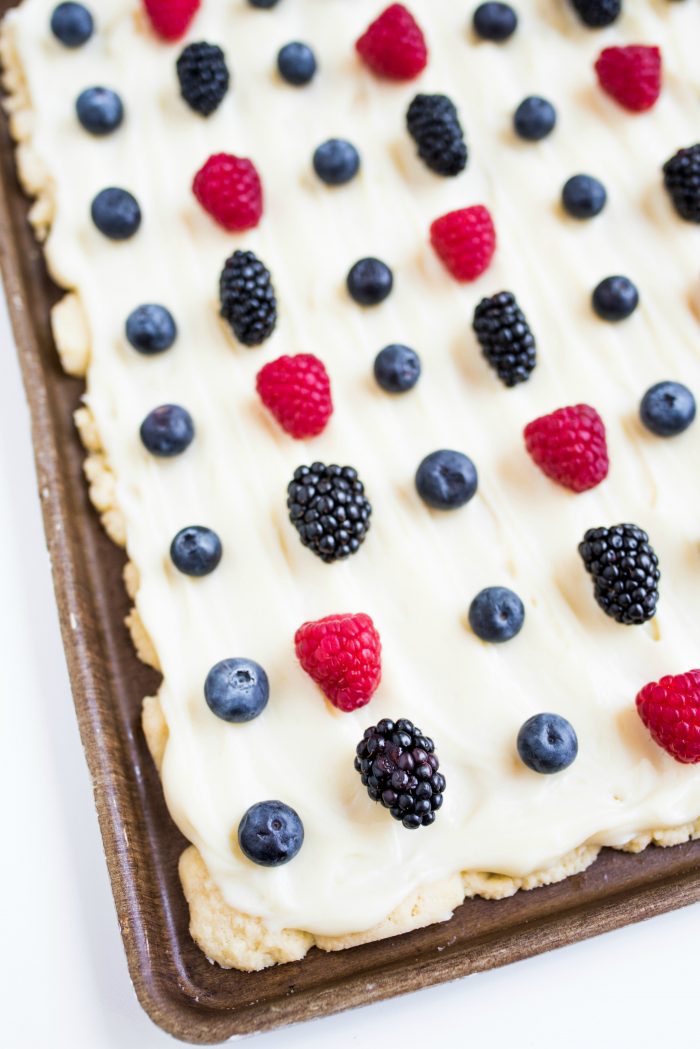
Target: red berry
{"type": "Point", "coordinates": [631, 75]}
{"type": "Point", "coordinates": [297, 391]}
{"type": "Point", "coordinates": [229, 189]}
{"type": "Point", "coordinates": [570, 447]}
{"type": "Point", "coordinates": [670, 709]}
{"type": "Point", "coordinates": [394, 45]}
{"type": "Point", "coordinates": [171, 18]}
{"type": "Point", "coordinates": [465, 241]}
{"type": "Point", "coordinates": [343, 656]}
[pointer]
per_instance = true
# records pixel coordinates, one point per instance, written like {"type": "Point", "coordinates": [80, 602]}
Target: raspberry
{"type": "Point", "coordinates": [670, 709]}
{"type": "Point", "coordinates": [342, 654]}
{"type": "Point", "coordinates": [465, 241]}
{"type": "Point", "coordinates": [171, 18]}
{"type": "Point", "coordinates": [394, 45]}
{"type": "Point", "coordinates": [229, 189]}
{"type": "Point", "coordinates": [298, 393]}
{"type": "Point", "coordinates": [570, 447]}
{"type": "Point", "coordinates": [631, 75]}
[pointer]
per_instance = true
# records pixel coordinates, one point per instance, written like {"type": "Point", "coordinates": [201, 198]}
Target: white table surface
{"type": "Point", "coordinates": [63, 976]}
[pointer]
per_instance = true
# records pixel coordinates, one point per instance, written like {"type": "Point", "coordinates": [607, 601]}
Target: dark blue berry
{"type": "Point", "coordinates": [167, 430]}
{"type": "Point", "coordinates": [370, 281]}
{"type": "Point", "coordinates": [263, 3]}
{"type": "Point", "coordinates": [496, 614]}
{"type": "Point", "coordinates": [534, 118]}
{"type": "Point", "coordinates": [151, 329]}
{"type": "Point", "coordinates": [583, 197]}
{"type": "Point", "coordinates": [336, 162]}
{"type": "Point", "coordinates": [667, 409]}
{"type": "Point", "coordinates": [296, 63]}
{"type": "Point", "coordinates": [615, 298]}
{"type": "Point", "coordinates": [100, 110]}
{"type": "Point", "coordinates": [397, 368]}
{"type": "Point", "coordinates": [237, 690]}
{"type": "Point", "coordinates": [196, 550]}
{"type": "Point", "coordinates": [495, 22]}
{"type": "Point", "coordinates": [446, 480]}
{"type": "Point", "coordinates": [72, 24]}
{"type": "Point", "coordinates": [547, 743]}
{"type": "Point", "coordinates": [116, 213]}
{"type": "Point", "coordinates": [270, 833]}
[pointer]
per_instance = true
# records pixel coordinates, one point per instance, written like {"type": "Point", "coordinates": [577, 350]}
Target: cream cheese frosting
{"type": "Point", "coordinates": [419, 569]}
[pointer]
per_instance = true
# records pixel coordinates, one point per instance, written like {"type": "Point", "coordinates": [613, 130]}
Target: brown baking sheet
{"type": "Point", "coordinates": [181, 991]}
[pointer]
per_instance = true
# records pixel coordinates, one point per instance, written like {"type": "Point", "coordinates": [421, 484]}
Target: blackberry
{"type": "Point", "coordinates": [247, 297]}
{"type": "Point", "coordinates": [625, 572]}
{"type": "Point", "coordinates": [203, 76]}
{"type": "Point", "coordinates": [329, 510]}
{"type": "Point", "coordinates": [597, 13]}
{"type": "Point", "coordinates": [682, 180]}
{"type": "Point", "coordinates": [434, 126]}
{"type": "Point", "coordinates": [505, 338]}
{"type": "Point", "coordinates": [399, 767]}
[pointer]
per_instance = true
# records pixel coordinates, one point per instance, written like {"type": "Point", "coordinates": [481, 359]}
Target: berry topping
{"type": "Point", "coordinates": [298, 393]}
{"type": "Point", "coordinates": [465, 241]}
{"type": "Point", "coordinates": [505, 338]}
{"type": "Point", "coordinates": [370, 282]}
{"type": "Point", "coordinates": [203, 76]}
{"type": "Point", "coordinates": [237, 690]}
{"type": "Point", "coordinates": [116, 213]}
{"type": "Point", "coordinates": [229, 189]}
{"type": "Point", "coordinates": [433, 124]}
{"type": "Point", "coordinates": [397, 368]}
{"type": "Point", "coordinates": [336, 162]}
{"type": "Point", "coordinates": [667, 409]}
{"type": "Point", "coordinates": [496, 614]}
{"type": "Point", "coordinates": [399, 767]}
{"type": "Point", "coordinates": [583, 197]}
{"type": "Point", "coordinates": [247, 298]}
{"type": "Point", "coordinates": [264, 4]}
{"type": "Point", "coordinates": [670, 709]}
{"type": "Point", "coordinates": [196, 550]}
{"type": "Point", "coordinates": [171, 18]}
{"type": "Point", "coordinates": [329, 510]}
{"type": "Point", "coordinates": [446, 480]}
{"type": "Point", "coordinates": [394, 45]}
{"type": "Point", "coordinates": [625, 572]}
{"type": "Point", "coordinates": [296, 64]}
{"type": "Point", "coordinates": [569, 446]}
{"type": "Point", "coordinates": [534, 118]}
{"type": "Point", "coordinates": [547, 743]}
{"type": "Point", "coordinates": [270, 832]}
{"type": "Point", "coordinates": [151, 329]}
{"type": "Point", "coordinates": [72, 24]}
{"type": "Point", "coordinates": [495, 22]}
{"type": "Point", "coordinates": [342, 654]}
{"type": "Point", "coordinates": [631, 75]}
{"type": "Point", "coordinates": [597, 13]}
{"type": "Point", "coordinates": [682, 180]}
{"type": "Point", "coordinates": [615, 298]}
{"type": "Point", "coordinates": [99, 110]}
{"type": "Point", "coordinates": [167, 430]}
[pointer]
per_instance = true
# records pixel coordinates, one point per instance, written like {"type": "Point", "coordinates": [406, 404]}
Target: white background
{"type": "Point", "coordinates": [63, 975]}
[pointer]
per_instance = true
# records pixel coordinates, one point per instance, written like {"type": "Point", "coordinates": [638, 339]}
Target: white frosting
{"type": "Point", "coordinates": [419, 569]}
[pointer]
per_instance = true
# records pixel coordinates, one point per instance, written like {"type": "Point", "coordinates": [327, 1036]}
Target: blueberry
{"type": "Point", "coordinates": [370, 281]}
{"type": "Point", "coordinates": [495, 22]}
{"type": "Point", "coordinates": [397, 368]}
{"type": "Point", "coordinates": [151, 329]}
{"type": "Point", "coordinates": [72, 24]}
{"type": "Point", "coordinates": [100, 110]}
{"type": "Point", "coordinates": [496, 614]}
{"type": "Point", "coordinates": [336, 162]}
{"type": "Point", "coordinates": [263, 3]}
{"type": "Point", "coordinates": [297, 64]}
{"type": "Point", "coordinates": [547, 743]}
{"type": "Point", "coordinates": [615, 298]}
{"type": "Point", "coordinates": [196, 550]}
{"type": "Point", "coordinates": [534, 118]}
{"type": "Point", "coordinates": [446, 480]}
{"type": "Point", "coordinates": [270, 833]}
{"type": "Point", "coordinates": [167, 430]}
{"type": "Point", "coordinates": [116, 213]}
{"type": "Point", "coordinates": [583, 197]}
{"type": "Point", "coordinates": [237, 690]}
{"type": "Point", "coordinates": [667, 409]}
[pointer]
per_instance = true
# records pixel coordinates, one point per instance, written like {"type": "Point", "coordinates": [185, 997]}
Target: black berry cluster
{"type": "Point", "coordinates": [329, 510]}
{"type": "Point", "coordinates": [625, 572]}
{"type": "Point", "coordinates": [399, 767]}
{"type": "Point", "coordinates": [247, 297]}
{"type": "Point", "coordinates": [434, 126]}
{"type": "Point", "coordinates": [203, 76]}
{"type": "Point", "coordinates": [682, 180]}
{"type": "Point", "coordinates": [597, 13]}
{"type": "Point", "coordinates": [505, 338]}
